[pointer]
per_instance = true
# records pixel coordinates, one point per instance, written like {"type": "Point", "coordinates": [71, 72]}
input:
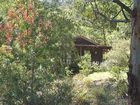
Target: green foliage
{"type": "Point", "coordinates": [29, 64]}
{"type": "Point", "coordinates": [58, 92]}
{"type": "Point", "coordinates": [85, 64]}
{"type": "Point", "coordinates": [60, 44]}
{"type": "Point", "coordinates": [119, 80]}
{"type": "Point", "coordinates": [117, 63]}
{"type": "Point", "coordinates": [95, 20]}
{"type": "Point", "coordinates": [103, 96]}
{"type": "Point", "coordinates": [98, 92]}
{"type": "Point", "coordinates": [119, 55]}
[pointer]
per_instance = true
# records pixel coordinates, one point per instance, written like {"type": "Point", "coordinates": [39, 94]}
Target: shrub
{"type": "Point", "coordinates": [119, 55]}
{"type": "Point", "coordinates": [85, 65]}
{"type": "Point", "coordinates": [59, 92]}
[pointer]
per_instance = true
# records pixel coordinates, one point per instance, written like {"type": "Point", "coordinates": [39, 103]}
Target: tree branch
{"type": "Point", "coordinates": [114, 20]}
{"type": "Point", "coordinates": [101, 14]}
{"type": "Point", "coordinates": [111, 20]}
{"type": "Point", "coordinates": [96, 11]}
{"type": "Point", "coordinates": [122, 5]}
{"type": "Point", "coordinates": [124, 15]}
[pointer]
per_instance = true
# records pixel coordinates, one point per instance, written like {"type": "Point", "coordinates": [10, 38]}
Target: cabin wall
{"type": "Point", "coordinates": [97, 56]}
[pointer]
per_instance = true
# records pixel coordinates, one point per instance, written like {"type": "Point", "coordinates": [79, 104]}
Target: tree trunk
{"type": "Point", "coordinates": [134, 67]}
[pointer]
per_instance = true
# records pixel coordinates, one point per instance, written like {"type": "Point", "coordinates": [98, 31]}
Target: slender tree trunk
{"type": "Point", "coordinates": [134, 67]}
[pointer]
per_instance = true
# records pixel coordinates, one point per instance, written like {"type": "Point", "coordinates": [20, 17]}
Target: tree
{"type": "Point", "coordinates": [134, 64]}
{"type": "Point", "coordinates": [35, 43]}
{"type": "Point", "coordinates": [23, 33]}
{"type": "Point", "coordinates": [134, 67]}
{"type": "Point", "coordinates": [100, 18]}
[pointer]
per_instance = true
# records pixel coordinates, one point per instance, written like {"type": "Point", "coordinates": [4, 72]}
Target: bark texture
{"type": "Point", "coordinates": [134, 67]}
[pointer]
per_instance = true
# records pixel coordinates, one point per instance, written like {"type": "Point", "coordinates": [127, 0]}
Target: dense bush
{"type": "Point", "coordinates": [119, 55]}
{"type": "Point", "coordinates": [58, 92]}
{"type": "Point", "coordinates": [33, 55]}
{"type": "Point", "coordinates": [85, 64]}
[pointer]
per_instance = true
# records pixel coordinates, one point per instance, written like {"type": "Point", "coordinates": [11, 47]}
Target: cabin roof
{"type": "Point", "coordinates": [81, 41]}
{"type": "Point", "coordinates": [84, 41]}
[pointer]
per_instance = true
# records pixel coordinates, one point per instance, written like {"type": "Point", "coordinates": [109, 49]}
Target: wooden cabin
{"type": "Point", "coordinates": [84, 44]}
